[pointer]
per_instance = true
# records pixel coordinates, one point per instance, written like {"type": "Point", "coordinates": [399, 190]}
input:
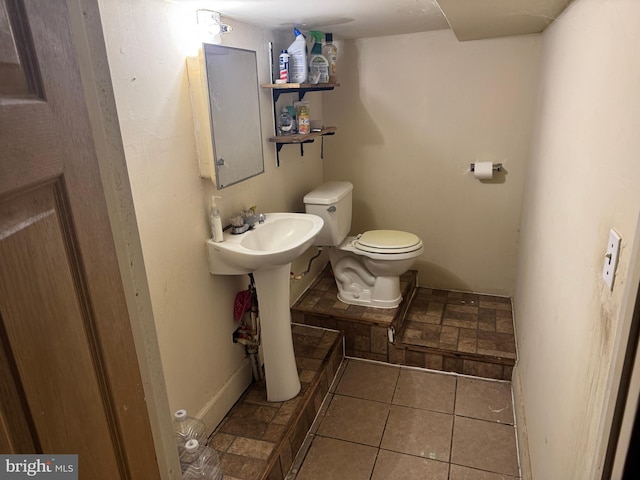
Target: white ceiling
{"type": "Point", "coordinates": [476, 19]}
{"type": "Point", "coordinates": [470, 19]}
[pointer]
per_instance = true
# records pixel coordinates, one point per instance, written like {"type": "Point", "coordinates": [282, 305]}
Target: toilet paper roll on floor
{"type": "Point", "coordinates": [483, 170]}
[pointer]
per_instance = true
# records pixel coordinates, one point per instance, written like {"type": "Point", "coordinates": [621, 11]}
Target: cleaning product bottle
{"type": "Point", "coordinates": [330, 51]}
{"type": "Point", "coordinates": [298, 58]}
{"type": "Point", "coordinates": [302, 116]}
{"type": "Point", "coordinates": [318, 63]}
{"type": "Point", "coordinates": [293, 112]}
{"type": "Point", "coordinates": [285, 122]}
{"type": "Point", "coordinates": [283, 61]}
{"type": "Point", "coordinates": [216, 221]}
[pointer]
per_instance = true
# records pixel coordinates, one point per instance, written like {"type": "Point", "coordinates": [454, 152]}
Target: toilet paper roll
{"type": "Point", "coordinates": [483, 170]}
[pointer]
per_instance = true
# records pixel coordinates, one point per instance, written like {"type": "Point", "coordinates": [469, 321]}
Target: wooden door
{"type": "Point", "coordinates": [69, 378]}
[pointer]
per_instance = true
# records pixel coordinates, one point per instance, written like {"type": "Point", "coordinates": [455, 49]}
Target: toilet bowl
{"type": "Point", "coordinates": [367, 267]}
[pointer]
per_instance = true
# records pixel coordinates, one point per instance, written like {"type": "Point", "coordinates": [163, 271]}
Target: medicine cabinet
{"type": "Point", "coordinates": [224, 92]}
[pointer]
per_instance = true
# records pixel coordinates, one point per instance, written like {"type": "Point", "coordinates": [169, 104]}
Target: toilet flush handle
{"type": "Point", "coordinates": [331, 209]}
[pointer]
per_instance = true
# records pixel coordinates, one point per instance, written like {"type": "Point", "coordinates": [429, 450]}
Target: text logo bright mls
{"type": "Point", "coordinates": [49, 467]}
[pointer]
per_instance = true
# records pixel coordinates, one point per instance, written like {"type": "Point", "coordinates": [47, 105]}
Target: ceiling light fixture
{"type": "Point", "coordinates": [210, 27]}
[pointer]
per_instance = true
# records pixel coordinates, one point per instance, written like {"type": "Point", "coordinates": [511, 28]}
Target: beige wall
{"type": "Point", "coordinates": [413, 111]}
{"type": "Point", "coordinates": [405, 140]}
{"type": "Point", "coordinates": [98, 92]}
{"type": "Point", "coordinates": [582, 180]}
{"type": "Point", "coordinates": [147, 42]}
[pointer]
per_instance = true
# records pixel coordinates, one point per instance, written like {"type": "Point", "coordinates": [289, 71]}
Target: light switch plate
{"type": "Point", "coordinates": [611, 258]}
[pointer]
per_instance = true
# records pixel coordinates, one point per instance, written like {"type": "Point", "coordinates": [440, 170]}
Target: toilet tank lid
{"type": "Point", "coordinates": [328, 193]}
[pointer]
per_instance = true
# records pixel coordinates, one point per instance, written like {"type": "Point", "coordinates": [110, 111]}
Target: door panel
{"type": "Point", "coordinates": [19, 76]}
{"type": "Point", "coordinates": [22, 97]}
{"type": "Point", "coordinates": [69, 375]}
{"type": "Point", "coordinates": [50, 332]}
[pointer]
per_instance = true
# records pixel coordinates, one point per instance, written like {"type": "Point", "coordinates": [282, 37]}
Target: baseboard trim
{"type": "Point", "coordinates": [521, 425]}
{"type": "Point", "coordinates": [216, 409]}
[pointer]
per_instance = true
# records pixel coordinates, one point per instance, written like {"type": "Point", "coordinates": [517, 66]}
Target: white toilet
{"type": "Point", "coordinates": [367, 267]}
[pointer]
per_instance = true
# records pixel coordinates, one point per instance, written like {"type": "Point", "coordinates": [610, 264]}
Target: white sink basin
{"type": "Point", "coordinates": [281, 238]}
{"type": "Point", "coordinates": [267, 252]}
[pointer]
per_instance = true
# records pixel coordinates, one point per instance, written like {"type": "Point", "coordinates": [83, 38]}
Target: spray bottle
{"type": "Point", "coordinates": [216, 221]}
{"type": "Point", "coordinates": [318, 63]}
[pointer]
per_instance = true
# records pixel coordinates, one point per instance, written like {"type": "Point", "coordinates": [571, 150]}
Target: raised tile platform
{"type": "Point", "coordinates": [458, 332]}
{"type": "Point", "coordinates": [438, 329]}
{"type": "Point", "coordinates": [367, 330]}
{"type": "Point", "coordinates": [258, 440]}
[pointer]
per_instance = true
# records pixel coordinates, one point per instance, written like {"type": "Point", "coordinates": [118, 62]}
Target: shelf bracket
{"type": "Point", "coordinates": [301, 89]}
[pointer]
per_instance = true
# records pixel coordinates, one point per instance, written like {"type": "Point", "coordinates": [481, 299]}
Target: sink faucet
{"type": "Point", "coordinates": [251, 217]}
{"type": "Point", "coordinates": [246, 220]}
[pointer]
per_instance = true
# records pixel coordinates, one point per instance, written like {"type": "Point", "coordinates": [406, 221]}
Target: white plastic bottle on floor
{"type": "Point", "coordinates": [200, 462]}
{"type": "Point", "coordinates": [187, 428]}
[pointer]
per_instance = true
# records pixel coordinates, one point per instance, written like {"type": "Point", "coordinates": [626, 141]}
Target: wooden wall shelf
{"type": "Point", "coordinates": [300, 88]}
{"type": "Point", "coordinates": [302, 137]}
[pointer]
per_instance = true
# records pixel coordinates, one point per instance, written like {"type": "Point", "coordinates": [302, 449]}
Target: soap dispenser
{"type": "Point", "coordinates": [216, 221]}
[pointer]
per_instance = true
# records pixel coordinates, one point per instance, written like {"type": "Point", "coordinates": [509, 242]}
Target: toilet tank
{"type": "Point", "coordinates": [332, 202]}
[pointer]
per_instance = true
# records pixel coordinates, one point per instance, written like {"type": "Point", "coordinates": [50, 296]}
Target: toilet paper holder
{"type": "Point", "coordinates": [497, 167]}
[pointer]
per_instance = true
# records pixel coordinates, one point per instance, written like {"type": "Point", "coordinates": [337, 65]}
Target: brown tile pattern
{"type": "Point", "coordinates": [458, 332]}
{"type": "Point", "coordinates": [399, 466]}
{"type": "Point", "coordinates": [370, 381]}
{"type": "Point", "coordinates": [336, 459]}
{"type": "Point", "coordinates": [436, 329]}
{"type": "Point", "coordinates": [365, 328]}
{"type": "Point", "coordinates": [485, 446]}
{"type": "Point", "coordinates": [258, 440]}
{"type": "Point", "coordinates": [422, 433]}
{"type": "Point", "coordinates": [484, 400]}
{"type": "Point", "coordinates": [355, 420]}
{"type": "Point", "coordinates": [428, 391]}
{"type": "Point", "coordinates": [438, 426]}
{"type": "Point", "coordinates": [461, 322]}
{"type": "Point", "coordinates": [459, 472]}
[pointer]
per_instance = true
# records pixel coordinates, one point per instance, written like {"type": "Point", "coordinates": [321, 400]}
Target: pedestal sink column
{"type": "Point", "coordinates": [281, 372]}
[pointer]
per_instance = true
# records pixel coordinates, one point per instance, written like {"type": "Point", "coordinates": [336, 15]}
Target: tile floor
{"type": "Point", "coordinates": [461, 322]}
{"type": "Point", "coordinates": [387, 422]}
{"type": "Point", "coordinates": [258, 439]}
{"type": "Point", "coordinates": [458, 332]}
{"type": "Point", "coordinates": [437, 329]}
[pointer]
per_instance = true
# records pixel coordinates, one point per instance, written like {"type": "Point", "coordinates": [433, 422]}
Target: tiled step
{"type": "Point", "coordinates": [438, 329]}
{"type": "Point", "coordinates": [458, 332]}
{"type": "Point", "coordinates": [366, 329]}
{"type": "Point", "coordinates": [258, 440]}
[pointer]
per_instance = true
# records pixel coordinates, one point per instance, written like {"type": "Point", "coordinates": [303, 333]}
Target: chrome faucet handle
{"type": "Point", "coordinates": [261, 217]}
{"type": "Point", "coordinates": [237, 221]}
{"type": "Point", "coordinates": [238, 225]}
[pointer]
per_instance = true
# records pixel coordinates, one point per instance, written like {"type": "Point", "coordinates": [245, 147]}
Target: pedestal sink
{"type": "Point", "coordinates": [267, 252]}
